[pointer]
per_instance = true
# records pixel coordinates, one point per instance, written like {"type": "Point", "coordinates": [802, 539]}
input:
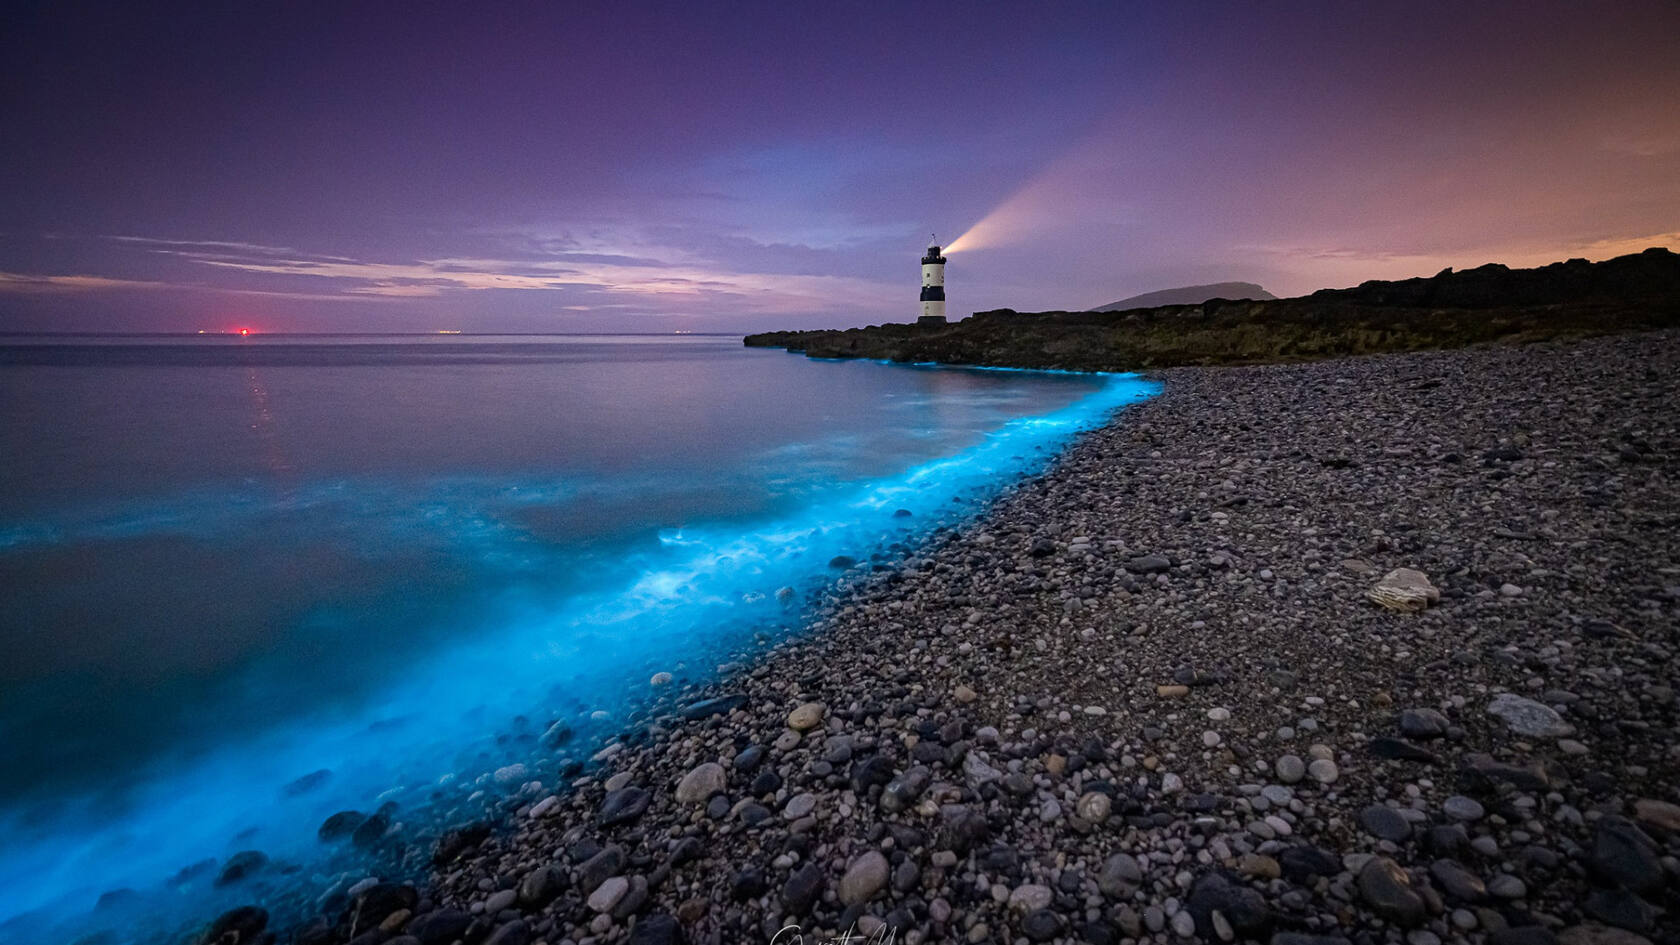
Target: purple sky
{"type": "Point", "coordinates": [738, 167]}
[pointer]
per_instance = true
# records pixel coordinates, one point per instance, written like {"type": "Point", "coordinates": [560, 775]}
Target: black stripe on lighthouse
{"type": "Point", "coordinates": [933, 293]}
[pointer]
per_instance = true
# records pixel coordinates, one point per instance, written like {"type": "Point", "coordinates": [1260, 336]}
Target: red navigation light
{"type": "Point", "coordinates": [244, 331]}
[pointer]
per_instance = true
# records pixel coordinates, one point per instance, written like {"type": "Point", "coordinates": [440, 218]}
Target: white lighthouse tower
{"type": "Point", "coordinates": [933, 287]}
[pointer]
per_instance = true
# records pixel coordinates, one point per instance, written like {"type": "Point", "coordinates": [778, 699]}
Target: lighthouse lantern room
{"type": "Point", "coordinates": [933, 287]}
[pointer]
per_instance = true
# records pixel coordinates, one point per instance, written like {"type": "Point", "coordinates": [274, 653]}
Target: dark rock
{"type": "Point", "coordinates": [962, 829]}
{"type": "Point", "coordinates": [1447, 839]}
{"type": "Point", "coordinates": [1423, 724]}
{"type": "Point", "coordinates": [803, 889]}
{"type": "Point", "coordinates": [1241, 906]}
{"type": "Point", "coordinates": [1386, 888]}
{"type": "Point", "coordinates": [510, 933]}
{"type": "Point", "coordinates": [748, 884]}
{"type": "Point", "coordinates": [541, 884]}
{"type": "Point", "coordinates": [1099, 933]}
{"type": "Point", "coordinates": [842, 562]}
{"type": "Point", "coordinates": [1193, 677]}
{"type": "Point", "coordinates": [1621, 908]}
{"type": "Point", "coordinates": [1480, 772]}
{"type": "Point", "coordinates": [1043, 548]}
{"type": "Point", "coordinates": [871, 771]}
{"type": "Point", "coordinates": [1457, 882]}
{"type": "Point", "coordinates": [749, 759]}
{"type": "Point", "coordinates": [1522, 935]}
{"type": "Point", "coordinates": [236, 926]}
{"type": "Point", "coordinates": [307, 783]}
{"type": "Point", "coordinates": [440, 926]}
{"type": "Point", "coordinates": [907, 876]}
{"type": "Point", "coordinates": [340, 826]}
{"type": "Point", "coordinates": [687, 850]}
{"type": "Point", "coordinates": [1385, 823]}
{"type": "Point", "coordinates": [241, 865]}
{"type": "Point", "coordinates": [371, 832]}
{"type": "Point", "coordinates": [117, 899]}
{"type": "Point", "coordinates": [928, 753]}
{"type": "Point", "coordinates": [1302, 862]}
{"type": "Point", "coordinates": [657, 929]}
{"type": "Point", "coordinates": [1385, 747]}
{"type": "Point", "coordinates": [458, 840]}
{"type": "Point", "coordinates": [1120, 876]}
{"type": "Point", "coordinates": [380, 900]}
{"type": "Point", "coordinates": [1302, 938]}
{"type": "Point", "coordinates": [722, 705]}
{"type": "Point", "coordinates": [1041, 925]}
{"type": "Point", "coordinates": [623, 806]}
{"type": "Point", "coordinates": [1003, 860]}
{"type": "Point", "coordinates": [595, 870]}
{"type": "Point", "coordinates": [1148, 564]}
{"type": "Point", "coordinates": [765, 782]}
{"type": "Point", "coordinates": [635, 898]}
{"type": "Point", "coordinates": [1624, 855]}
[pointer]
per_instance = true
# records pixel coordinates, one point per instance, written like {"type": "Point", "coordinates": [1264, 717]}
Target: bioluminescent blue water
{"type": "Point", "coordinates": [251, 583]}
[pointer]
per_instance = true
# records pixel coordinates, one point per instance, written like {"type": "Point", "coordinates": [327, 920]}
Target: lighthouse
{"type": "Point", "coordinates": [933, 287]}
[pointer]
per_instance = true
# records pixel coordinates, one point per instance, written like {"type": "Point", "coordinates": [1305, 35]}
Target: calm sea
{"type": "Point", "coordinates": [249, 582]}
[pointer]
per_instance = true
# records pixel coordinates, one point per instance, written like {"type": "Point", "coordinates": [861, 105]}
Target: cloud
{"type": "Point", "coordinates": [653, 280]}
{"type": "Point", "coordinates": [33, 284]}
{"type": "Point", "coordinates": [25, 282]}
{"type": "Point", "coordinates": [667, 269]}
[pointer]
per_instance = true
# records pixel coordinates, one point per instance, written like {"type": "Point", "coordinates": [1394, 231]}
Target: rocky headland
{"type": "Point", "coordinates": [1491, 303]}
{"type": "Point", "coordinates": [1371, 650]}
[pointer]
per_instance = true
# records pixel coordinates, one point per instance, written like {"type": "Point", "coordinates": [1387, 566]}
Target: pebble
{"type": "Point", "coordinates": [1466, 809]}
{"type": "Point", "coordinates": [609, 894]}
{"type": "Point", "coordinates": [866, 876]}
{"type": "Point", "coordinates": [1526, 717]}
{"type": "Point", "coordinates": [701, 783]}
{"type": "Point", "coordinates": [1291, 769]}
{"type": "Point", "coordinates": [807, 716]}
{"type": "Point", "coordinates": [1324, 771]}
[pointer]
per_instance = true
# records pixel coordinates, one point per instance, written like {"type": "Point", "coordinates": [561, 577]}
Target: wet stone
{"type": "Point", "coordinates": [1386, 888]}
{"type": "Point", "coordinates": [1459, 807]}
{"type": "Point", "coordinates": [1422, 724]}
{"type": "Point", "coordinates": [1457, 881]}
{"type": "Point", "coordinates": [623, 806]}
{"type": "Point", "coordinates": [1385, 823]}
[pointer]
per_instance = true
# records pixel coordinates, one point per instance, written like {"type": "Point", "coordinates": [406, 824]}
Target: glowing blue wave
{"type": "Point", "coordinates": [431, 742]}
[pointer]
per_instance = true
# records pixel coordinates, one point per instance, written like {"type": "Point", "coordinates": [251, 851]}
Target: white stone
{"type": "Point", "coordinates": [807, 716]}
{"type": "Point", "coordinates": [1527, 717]}
{"type": "Point", "coordinates": [1405, 590]}
{"type": "Point", "coordinates": [698, 786]}
{"type": "Point", "coordinates": [608, 894]}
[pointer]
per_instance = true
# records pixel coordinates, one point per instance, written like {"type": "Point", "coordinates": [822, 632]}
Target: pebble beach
{"type": "Point", "coordinates": [1149, 697]}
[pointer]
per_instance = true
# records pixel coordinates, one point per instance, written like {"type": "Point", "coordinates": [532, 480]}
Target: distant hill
{"type": "Point", "coordinates": [1487, 304]}
{"type": "Point", "coordinates": [1189, 295]}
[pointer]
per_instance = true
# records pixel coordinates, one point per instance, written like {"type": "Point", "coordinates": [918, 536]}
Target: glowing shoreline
{"type": "Point", "coordinates": [703, 592]}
